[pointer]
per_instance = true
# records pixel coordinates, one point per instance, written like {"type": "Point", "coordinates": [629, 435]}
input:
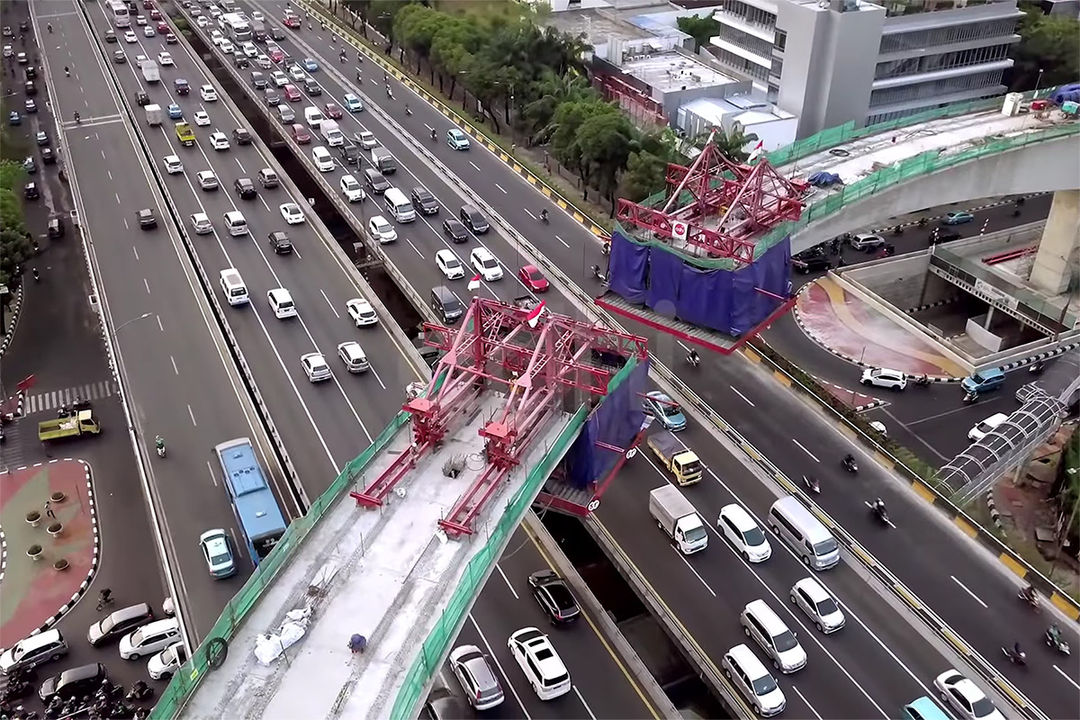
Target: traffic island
{"type": "Point", "coordinates": [48, 561]}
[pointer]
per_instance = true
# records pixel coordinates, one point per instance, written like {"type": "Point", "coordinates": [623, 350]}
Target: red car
{"type": "Point", "coordinates": [148, 4]}
{"type": "Point", "coordinates": [163, 28]}
{"type": "Point", "coordinates": [155, 14]}
{"type": "Point", "coordinates": [300, 134]}
{"type": "Point", "coordinates": [291, 21]}
{"type": "Point", "coordinates": [533, 279]}
{"type": "Point", "coordinates": [333, 111]}
{"type": "Point", "coordinates": [277, 55]}
{"type": "Point", "coordinates": [291, 93]}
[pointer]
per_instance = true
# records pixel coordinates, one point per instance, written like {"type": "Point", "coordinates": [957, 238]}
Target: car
{"type": "Point", "coordinates": [149, 32]}
{"type": "Point", "coordinates": [31, 192]}
{"type": "Point", "coordinates": [227, 47]}
{"type": "Point", "coordinates": [263, 61]}
{"type": "Point", "coordinates": [28, 653]}
{"type": "Point", "coordinates": [258, 80]}
{"type": "Point", "coordinates": [366, 139]}
{"type": "Point", "coordinates": [424, 201]}
{"type": "Point", "coordinates": [216, 37]}
{"type": "Point", "coordinates": [376, 181]}
{"type": "Point", "coordinates": [291, 93]}
{"type": "Point", "coordinates": [245, 188]}
{"type": "Point", "coordinates": [175, 111]}
{"type": "Point", "coordinates": [240, 61]}
{"type": "Point", "coordinates": [477, 679]}
{"type": "Point", "coordinates": [457, 139]}
{"type": "Point", "coordinates": [276, 54]}
{"type": "Point", "coordinates": [207, 180]}
{"type": "Point", "coordinates": [297, 73]}
{"type": "Point", "coordinates": [147, 219]}
{"type": "Point", "coordinates": [272, 98]}
{"type": "Point", "coordinates": [485, 263]}
{"type": "Point", "coordinates": [140, 20]}
{"type": "Point", "coordinates": [350, 154]}
{"type": "Point", "coordinates": [181, 86]}
{"type": "Point", "coordinates": [352, 103]}
{"type": "Point", "coordinates": [30, 106]}
{"type": "Point", "coordinates": [200, 223]}
{"type": "Point", "coordinates": [241, 136]}
{"type": "Point", "coordinates": [73, 682]}
{"type": "Point", "coordinates": [165, 58]}
{"type": "Point", "coordinates": [965, 697]}
{"type": "Point", "coordinates": [554, 597]}
{"type": "Point", "coordinates": [737, 526]}
{"type": "Point", "coordinates": [866, 241]}
{"type": "Point", "coordinates": [249, 49]}
{"type": "Point", "coordinates": [155, 14]}
{"type": "Point", "coordinates": [150, 638]}
{"type": "Point", "coordinates": [21, 58]}
{"type": "Point", "coordinates": [819, 605]}
{"type": "Point", "coordinates": [986, 427]}
{"type": "Point", "coordinates": [533, 279]}
{"type": "Point", "coordinates": [361, 312]}
{"type": "Point", "coordinates": [473, 219]}
{"type": "Point", "coordinates": [943, 233]}
{"type": "Point", "coordinates": [332, 111]}
{"type": "Point", "coordinates": [279, 241]}
{"type": "Point", "coordinates": [351, 189]}
{"type": "Point", "coordinates": [315, 367]}
{"type": "Point", "coordinates": [291, 212]}
{"type": "Point", "coordinates": [449, 264]}
{"type": "Point", "coordinates": [884, 378]}
{"type": "Point", "coordinates": [30, 88]}
{"type": "Point", "coordinates": [291, 21]}
{"type": "Point", "coordinates": [201, 20]}
{"type": "Point", "coordinates": [29, 165]}
{"type": "Point", "coordinates": [536, 657]}
{"type": "Point", "coordinates": [48, 156]}
{"type": "Point", "coordinates": [811, 261]}
{"type": "Point", "coordinates": [957, 218]}
{"type": "Point", "coordinates": [381, 230]}
{"type": "Point", "coordinates": [14, 118]}
{"type": "Point", "coordinates": [202, 119]}
{"type": "Point", "coordinates": [310, 65]}
{"type": "Point", "coordinates": [312, 88]}
{"type": "Point", "coordinates": [354, 357]}
{"type": "Point", "coordinates": [258, 16]}
{"type": "Point", "coordinates": [666, 411]}
{"type": "Point", "coordinates": [208, 93]}
{"type": "Point", "coordinates": [110, 37]}
{"type": "Point", "coordinates": [300, 134]}
{"type": "Point", "coordinates": [42, 138]}
{"type": "Point", "coordinates": [279, 79]}
{"type": "Point", "coordinates": [457, 232]}
{"type": "Point", "coordinates": [162, 28]}
{"type": "Point", "coordinates": [173, 164]}
{"type": "Point", "coordinates": [219, 141]}
{"type": "Point", "coordinates": [164, 664]}
{"type": "Point", "coordinates": [171, 39]}
{"type": "Point", "coordinates": [218, 554]}
{"type": "Point", "coordinates": [119, 57]}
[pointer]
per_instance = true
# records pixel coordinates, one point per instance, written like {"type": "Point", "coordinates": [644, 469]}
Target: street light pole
{"type": "Point", "coordinates": [1035, 94]}
{"type": "Point", "coordinates": [124, 324]}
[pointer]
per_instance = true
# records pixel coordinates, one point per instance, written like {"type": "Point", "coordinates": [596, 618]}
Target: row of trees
{"type": "Point", "coordinates": [1049, 50]}
{"type": "Point", "coordinates": [15, 245]}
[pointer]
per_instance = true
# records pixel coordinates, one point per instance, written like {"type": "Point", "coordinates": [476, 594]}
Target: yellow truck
{"type": "Point", "coordinates": [185, 134]}
{"type": "Point", "coordinates": [82, 423]}
{"type": "Point", "coordinates": [674, 455]}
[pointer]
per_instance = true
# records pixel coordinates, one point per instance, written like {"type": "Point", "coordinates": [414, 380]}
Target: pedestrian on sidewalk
{"type": "Point", "coordinates": [49, 511]}
{"type": "Point", "coordinates": [357, 643]}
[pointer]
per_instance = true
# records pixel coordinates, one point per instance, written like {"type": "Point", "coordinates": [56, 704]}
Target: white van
{"type": "Point", "coordinates": [399, 206]}
{"type": "Point", "coordinates": [790, 520]}
{"type": "Point", "coordinates": [313, 116]}
{"type": "Point", "coordinates": [754, 681]}
{"type": "Point", "coordinates": [769, 631]}
{"type": "Point", "coordinates": [233, 286]}
{"type": "Point", "coordinates": [47, 646]}
{"type": "Point", "coordinates": [235, 223]}
{"type": "Point", "coordinates": [323, 160]}
{"type": "Point", "coordinates": [282, 303]}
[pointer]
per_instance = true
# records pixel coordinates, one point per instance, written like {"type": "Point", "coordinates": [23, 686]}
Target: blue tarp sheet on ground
{"type": "Point", "coordinates": [615, 421]}
{"type": "Point", "coordinates": [665, 269]}
{"type": "Point", "coordinates": [628, 269]}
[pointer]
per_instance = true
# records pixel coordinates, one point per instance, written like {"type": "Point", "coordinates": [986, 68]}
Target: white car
{"type": "Point", "coordinates": [536, 657]}
{"type": "Point", "coordinates": [200, 222]}
{"type": "Point", "coordinates": [216, 37]}
{"type": "Point", "coordinates": [250, 50]}
{"type": "Point", "coordinates": [476, 677]}
{"type": "Point", "coordinates": [449, 265]}
{"type": "Point", "coordinates": [208, 93]}
{"type": "Point", "coordinates": [986, 427]}
{"type": "Point", "coordinates": [202, 119]}
{"type": "Point", "coordinates": [164, 665]}
{"type": "Point", "coordinates": [361, 312]}
{"type": "Point", "coordinates": [486, 264]}
{"type": "Point", "coordinates": [292, 213]}
{"type": "Point", "coordinates": [366, 140]}
{"type": "Point", "coordinates": [740, 529]}
{"type": "Point", "coordinates": [297, 73]}
{"type": "Point", "coordinates": [884, 378]}
{"type": "Point", "coordinates": [140, 20]}
{"type": "Point", "coordinates": [352, 189]}
{"type": "Point", "coordinates": [130, 37]}
{"type": "Point", "coordinates": [381, 230]}
{"type": "Point", "coordinates": [819, 604]}
{"type": "Point", "coordinates": [164, 59]}
{"type": "Point", "coordinates": [315, 367]}
{"type": "Point", "coordinates": [149, 639]}
{"type": "Point", "coordinates": [202, 21]}
{"type": "Point", "coordinates": [219, 141]}
{"type": "Point", "coordinates": [257, 16]}
{"type": "Point", "coordinates": [207, 179]}
{"type": "Point", "coordinates": [263, 62]}
{"type": "Point", "coordinates": [965, 697]}
{"type": "Point", "coordinates": [149, 31]}
{"type": "Point", "coordinates": [227, 47]}
{"type": "Point", "coordinates": [279, 78]}
{"type": "Point", "coordinates": [173, 164]}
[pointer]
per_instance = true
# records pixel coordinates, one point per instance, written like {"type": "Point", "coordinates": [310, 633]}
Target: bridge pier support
{"type": "Point", "coordinates": [1056, 259]}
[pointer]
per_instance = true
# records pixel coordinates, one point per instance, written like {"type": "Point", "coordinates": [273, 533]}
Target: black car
{"type": "Point", "coordinates": [311, 87]}
{"type": "Point", "coordinates": [350, 154]}
{"type": "Point", "coordinates": [424, 201]}
{"type": "Point", "coordinates": [142, 99]}
{"type": "Point", "coordinates": [277, 33]}
{"type": "Point", "coordinates": [81, 680]}
{"type": "Point", "coordinates": [147, 219]}
{"type": "Point", "coordinates": [48, 157]}
{"type": "Point", "coordinates": [31, 72]}
{"type": "Point", "coordinates": [376, 181]}
{"type": "Point", "coordinates": [472, 217]}
{"type": "Point", "coordinates": [554, 596]}
{"type": "Point", "coordinates": [241, 61]}
{"type": "Point", "coordinates": [272, 98]}
{"type": "Point", "coordinates": [809, 262]}
{"type": "Point", "coordinates": [456, 231]}
{"type": "Point", "coordinates": [241, 136]}
{"type": "Point", "coordinates": [31, 192]}
{"type": "Point", "coordinates": [279, 241]}
{"type": "Point", "coordinates": [245, 188]}
{"type": "Point", "coordinates": [56, 227]}
{"type": "Point", "coordinates": [110, 36]}
{"type": "Point", "coordinates": [258, 80]}
{"type": "Point", "coordinates": [943, 233]}
{"type": "Point", "coordinates": [30, 88]}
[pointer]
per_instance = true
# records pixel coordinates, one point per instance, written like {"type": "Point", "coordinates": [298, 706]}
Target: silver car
{"type": "Point", "coordinates": [472, 670]}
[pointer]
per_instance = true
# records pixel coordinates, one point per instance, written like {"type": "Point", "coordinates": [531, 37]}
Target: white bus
{"type": "Point", "coordinates": [237, 28]}
{"type": "Point", "coordinates": [121, 17]}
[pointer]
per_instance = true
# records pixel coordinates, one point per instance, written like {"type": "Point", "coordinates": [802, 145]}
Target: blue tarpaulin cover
{"type": "Point", "coordinates": [665, 269]}
{"type": "Point", "coordinates": [627, 269]}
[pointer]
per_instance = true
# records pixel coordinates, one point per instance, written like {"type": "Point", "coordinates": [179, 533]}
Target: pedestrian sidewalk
{"type": "Point", "coordinates": [46, 561]}
{"type": "Point", "coordinates": [850, 328]}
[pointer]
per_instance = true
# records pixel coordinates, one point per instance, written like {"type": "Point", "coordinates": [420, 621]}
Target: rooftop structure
{"type": "Point", "coordinates": [775, 128]}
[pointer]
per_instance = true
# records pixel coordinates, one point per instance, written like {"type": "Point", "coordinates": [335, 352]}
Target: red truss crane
{"type": "Point", "coordinates": [747, 199]}
{"type": "Point", "coordinates": [533, 360]}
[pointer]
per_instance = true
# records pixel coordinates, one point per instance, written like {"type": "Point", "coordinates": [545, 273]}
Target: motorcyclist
{"type": "Point", "coordinates": [67, 71]}
{"type": "Point", "coordinates": [159, 443]}
{"type": "Point", "coordinates": [407, 110]}
{"type": "Point", "coordinates": [849, 460]}
{"type": "Point", "coordinates": [1029, 593]}
{"type": "Point", "coordinates": [77, 116]}
{"type": "Point", "coordinates": [1018, 653]}
{"type": "Point", "coordinates": [1055, 634]}
{"type": "Point", "coordinates": [693, 358]}
{"type": "Point", "coordinates": [544, 215]}
{"type": "Point", "coordinates": [359, 57]}
{"type": "Point", "coordinates": [434, 135]}
{"type": "Point", "coordinates": [879, 507]}
{"type": "Point", "coordinates": [596, 270]}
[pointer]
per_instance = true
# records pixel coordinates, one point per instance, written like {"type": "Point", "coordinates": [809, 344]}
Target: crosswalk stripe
{"type": "Point", "coordinates": [42, 402]}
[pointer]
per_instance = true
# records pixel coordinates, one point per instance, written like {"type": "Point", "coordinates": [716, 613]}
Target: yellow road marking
{"type": "Point", "coordinates": [1065, 605]}
{"type": "Point", "coordinates": [965, 527]}
{"type": "Point", "coordinates": [1008, 561]}
{"type": "Point", "coordinates": [924, 492]}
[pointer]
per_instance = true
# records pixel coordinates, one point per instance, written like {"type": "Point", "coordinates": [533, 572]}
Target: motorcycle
{"type": "Point", "coordinates": [139, 691]}
{"type": "Point", "coordinates": [1030, 597]}
{"type": "Point", "coordinates": [850, 465]}
{"type": "Point", "coordinates": [1056, 642]}
{"type": "Point", "coordinates": [922, 381]}
{"type": "Point", "coordinates": [544, 217]}
{"type": "Point", "coordinates": [970, 397]}
{"type": "Point", "coordinates": [693, 359]}
{"type": "Point", "coordinates": [879, 511]}
{"type": "Point", "coordinates": [812, 484]}
{"type": "Point", "coordinates": [1016, 658]}
{"type": "Point", "coordinates": [605, 249]}
{"type": "Point", "coordinates": [1037, 367]}
{"type": "Point", "coordinates": [596, 273]}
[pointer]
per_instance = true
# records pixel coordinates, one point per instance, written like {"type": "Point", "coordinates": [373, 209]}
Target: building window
{"type": "Point", "coordinates": [990, 80]}
{"type": "Point", "coordinates": [920, 39]}
{"type": "Point", "coordinates": [941, 61]}
{"type": "Point", "coordinates": [747, 14]}
{"type": "Point", "coordinates": [781, 40]}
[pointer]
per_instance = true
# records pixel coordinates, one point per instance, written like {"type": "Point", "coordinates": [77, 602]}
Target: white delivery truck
{"type": "Point", "coordinates": [150, 71]}
{"type": "Point", "coordinates": [154, 116]}
{"type": "Point", "coordinates": [677, 517]}
{"type": "Point", "coordinates": [331, 133]}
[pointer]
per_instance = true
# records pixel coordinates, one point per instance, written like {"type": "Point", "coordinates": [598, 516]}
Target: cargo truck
{"type": "Point", "coordinates": [674, 455]}
{"type": "Point", "coordinates": [154, 116]}
{"type": "Point", "coordinates": [678, 519]}
{"type": "Point", "coordinates": [258, 31]}
{"type": "Point", "coordinates": [383, 160]}
{"type": "Point", "coordinates": [150, 71]}
{"type": "Point", "coordinates": [82, 423]}
{"type": "Point", "coordinates": [331, 133]}
{"type": "Point", "coordinates": [185, 134]}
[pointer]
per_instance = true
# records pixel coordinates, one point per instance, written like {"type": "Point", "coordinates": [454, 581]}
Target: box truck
{"type": "Point", "coordinates": [678, 519]}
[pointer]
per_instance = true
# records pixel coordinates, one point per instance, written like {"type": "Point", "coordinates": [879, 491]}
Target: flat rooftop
{"type": "Point", "coordinates": [598, 25]}
{"type": "Point", "coordinates": [387, 574]}
{"type": "Point", "coordinates": [670, 71]}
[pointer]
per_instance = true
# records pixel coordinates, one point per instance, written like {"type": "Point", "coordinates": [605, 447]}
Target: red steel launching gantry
{"type": "Point", "coordinates": [531, 355]}
{"type": "Point", "coordinates": [747, 199]}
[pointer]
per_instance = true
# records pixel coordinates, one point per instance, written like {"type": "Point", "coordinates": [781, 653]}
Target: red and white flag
{"type": "Point", "coordinates": [758, 149]}
{"type": "Point", "coordinates": [474, 284]}
{"type": "Point", "coordinates": [534, 315]}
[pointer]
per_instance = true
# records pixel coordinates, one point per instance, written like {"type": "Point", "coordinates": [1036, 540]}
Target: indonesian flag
{"type": "Point", "coordinates": [474, 284]}
{"type": "Point", "coordinates": [758, 149]}
{"type": "Point", "coordinates": [534, 315]}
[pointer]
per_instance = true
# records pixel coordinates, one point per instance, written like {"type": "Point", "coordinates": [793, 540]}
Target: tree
{"type": "Point", "coordinates": [644, 176]}
{"type": "Point", "coordinates": [605, 140]}
{"type": "Point", "coordinates": [731, 143]}
{"type": "Point", "coordinates": [415, 27]}
{"type": "Point", "coordinates": [701, 28]}
{"type": "Point", "coordinates": [15, 249]}
{"type": "Point", "coordinates": [1048, 43]}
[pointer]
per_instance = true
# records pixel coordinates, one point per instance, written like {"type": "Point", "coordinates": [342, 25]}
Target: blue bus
{"type": "Point", "coordinates": [256, 508]}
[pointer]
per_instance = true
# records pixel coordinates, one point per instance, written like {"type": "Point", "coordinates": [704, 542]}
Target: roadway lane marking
{"type": "Point", "coordinates": [135, 252]}
{"type": "Point", "coordinates": [561, 240]}
{"type": "Point", "coordinates": [583, 703]}
{"type": "Point", "coordinates": [748, 402]}
{"type": "Point", "coordinates": [1066, 676]}
{"type": "Point", "coordinates": [175, 369]}
{"type": "Point", "coordinates": [146, 283]}
{"type": "Point", "coordinates": [504, 193]}
{"type": "Point", "coordinates": [329, 304]}
{"type": "Point", "coordinates": [191, 413]}
{"type": "Point", "coordinates": [415, 249]}
{"type": "Point", "coordinates": [475, 166]}
{"type": "Point", "coordinates": [160, 327]}
{"type": "Point", "coordinates": [213, 474]}
{"type": "Point", "coordinates": [812, 709]}
{"type": "Point", "coordinates": [683, 558]}
{"type": "Point", "coordinates": [506, 678]}
{"type": "Point", "coordinates": [805, 450]}
{"type": "Point", "coordinates": [376, 374]}
{"type": "Point", "coordinates": [507, 581]}
{"type": "Point", "coordinates": [973, 595]}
